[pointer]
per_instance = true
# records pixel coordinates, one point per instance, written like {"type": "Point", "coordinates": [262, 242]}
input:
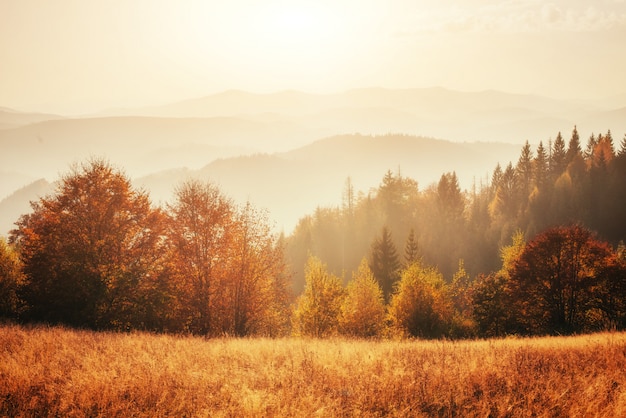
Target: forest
{"type": "Point", "coordinates": [536, 250]}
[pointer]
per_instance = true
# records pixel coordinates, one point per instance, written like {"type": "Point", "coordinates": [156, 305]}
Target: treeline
{"type": "Point", "coordinates": [96, 254]}
{"type": "Point", "coordinates": [557, 184]}
{"type": "Point", "coordinates": [397, 261]}
{"type": "Point", "coordinates": [564, 281]}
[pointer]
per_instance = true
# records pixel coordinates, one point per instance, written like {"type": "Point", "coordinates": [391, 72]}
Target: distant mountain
{"type": "Point", "coordinates": [11, 118]}
{"type": "Point", "coordinates": [292, 184]}
{"type": "Point", "coordinates": [139, 144]}
{"type": "Point", "coordinates": [10, 181]}
{"type": "Point", "coordinates": [260, 146]}
{"type": "Point", "coordinates": [458, 116]}
{"type": "Point", "coordinates": [18, 203]}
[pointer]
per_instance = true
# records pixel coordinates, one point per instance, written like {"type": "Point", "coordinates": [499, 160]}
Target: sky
{"type": "Point", "coordinates": [79, 56]}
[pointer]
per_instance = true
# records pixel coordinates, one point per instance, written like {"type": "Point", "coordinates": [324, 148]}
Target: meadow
{"type": "Point", "coordinates": [51, 371]}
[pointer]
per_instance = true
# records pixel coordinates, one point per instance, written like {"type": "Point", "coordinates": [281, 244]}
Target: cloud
{"type": "Point", "coordinates": [518, 16]}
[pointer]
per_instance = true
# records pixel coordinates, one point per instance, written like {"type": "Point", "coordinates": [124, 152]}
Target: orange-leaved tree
{"type": "Point", "coordinates": [556, 281]}
{"type": "Point", "coordinates": [91, 250]}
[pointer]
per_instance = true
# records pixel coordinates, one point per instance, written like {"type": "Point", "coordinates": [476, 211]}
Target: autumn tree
{"type": "Point", "coordinates": [421, 305]}
{"type": "Point", "coordinates": [201, 233]}
{"type": "Point", "coordinates": [91, 250]}
{"type": "Point", "coordinates": [554, 280]}
{"type": "Point", "coordinates": [460, 292]}
{"type": "Point", "coordinates": [384, 262]}
{"type": "Point", "coordinates": [490, 305]}
{"type": "Point", "coordinates": [510, 253]}
{"type": "Point", "coordinates": [363, 308]}
{"type": "Point", "coordinates": [318, 308]}
{"type": "Point", "coordinates": [257, 289]}
{"type": "Point", "coordinates": [11, 281]}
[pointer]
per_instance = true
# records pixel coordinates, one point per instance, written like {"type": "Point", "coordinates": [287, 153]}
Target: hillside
{"type": "Point", "coordinates": [141, 144]}
{"type": "Point", "coordinates": [11, 118]}
{"type": "Point", "coordinates": [261, 146]}
{"type": "Point", "coordinates": [17, 204]}
{"type": "Point", "coordinates": [292, 184]}
{"type": "Point", "coordinates": [489, 115]}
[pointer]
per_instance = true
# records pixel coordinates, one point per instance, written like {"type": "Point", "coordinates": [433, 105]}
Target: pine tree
{"type": "Point", "coordinates": [523, 171]}
{"type": "Point", "coordinates": [540, 166]}
{"type": "Point", "coordinates": [384, 262]}
{"type": "Point", "coordinates": [411, 249]}
{"type": "Point", "coordinates": [622, 149]}
{"type": "Point", "coordinates": [574, 146]}
{"type": "Point", "coordinates": [590, 149]}
{"type": "Point", "coordinates": [558, 162]}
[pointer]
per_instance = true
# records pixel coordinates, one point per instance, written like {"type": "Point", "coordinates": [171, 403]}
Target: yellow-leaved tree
{"type": "Point", "coordinates": [363, 308]}
{"type": "Point", "coordinates": [317, 309]}
{"type": "Point", "coordinates": [421, 305]}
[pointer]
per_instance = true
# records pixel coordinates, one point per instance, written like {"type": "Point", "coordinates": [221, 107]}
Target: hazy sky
{"type": "Point", "coordinates": [82, 55]}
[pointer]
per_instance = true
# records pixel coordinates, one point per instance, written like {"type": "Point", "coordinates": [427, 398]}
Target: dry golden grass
{"type": "Point", "coordinates": [59, 372]}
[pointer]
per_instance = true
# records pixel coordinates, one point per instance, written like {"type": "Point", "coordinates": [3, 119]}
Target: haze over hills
{"type": "Point", "coordinates": [293, 184]}
{"type": "Point", "coordinates": [11, 118]}
{"type": "Point", "coordinates": [268, 147]}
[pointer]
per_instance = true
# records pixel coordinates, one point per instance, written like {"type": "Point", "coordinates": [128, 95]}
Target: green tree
{"type": "Point", "coordinates": [384, 262]}
{"type": "Point", "coordinates": [363, 308]}
{"type": "Point", "coordinates": [91, 250]}
{"type": "Point", "coordinates": [318, 308]}
{"type": "Point", "coordinates": [421, 306]}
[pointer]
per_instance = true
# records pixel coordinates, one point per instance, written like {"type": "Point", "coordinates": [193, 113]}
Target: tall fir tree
{"type": "Point", "coordinates": [411, 249]}
{"type": "Point", "coordinates": [540, 167]}
{"type": "Point", "coordinates": [573, 149]}
{"type": "Point", "coordinates": [384, 262]}
{"type": "Point", "coordinates": [558, 162]}
{"type": "Point", "coordinates": [523, 171]}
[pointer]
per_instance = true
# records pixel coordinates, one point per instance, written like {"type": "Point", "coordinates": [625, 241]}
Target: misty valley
{"type": "Point", "coordinates": [238, 205]}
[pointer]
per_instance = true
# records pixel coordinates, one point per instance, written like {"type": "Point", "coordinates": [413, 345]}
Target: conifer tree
{"type": "Point", "coordinates": [523, 171]}
{"type": "Point", "coordinates": [590, 149]}
{"type": "Point", "coordinates": [384, 262]}
{"type": "Point", "coordinates": [558, 161]}
{"type": "Point", "coordinates": [622, 149]}
{"type": "Point", "coordinates": [574, 146]}
{"type": "Point", "coordinates": [411, 249]}
{"type": "Point", "coordinates": [540, 167]}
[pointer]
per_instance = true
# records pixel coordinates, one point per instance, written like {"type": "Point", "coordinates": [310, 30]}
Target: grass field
{"type": "Point", "coordinates": [61, 372]}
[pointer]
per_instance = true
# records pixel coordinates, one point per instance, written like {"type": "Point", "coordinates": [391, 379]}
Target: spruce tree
{"type": "Point", "coordinates": [384, 262]}
{"type": "Point", "coordinates": [411, 249]}
{"type": "Point", "coordinates": [574, 146]}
